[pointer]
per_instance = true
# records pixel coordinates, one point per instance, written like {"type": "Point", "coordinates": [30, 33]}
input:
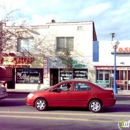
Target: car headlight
{"type": "Point", "coordinates": [30, 95]}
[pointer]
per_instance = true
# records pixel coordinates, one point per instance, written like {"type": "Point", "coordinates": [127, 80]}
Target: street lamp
{"type": "Point", "coordinates": [115, 43]}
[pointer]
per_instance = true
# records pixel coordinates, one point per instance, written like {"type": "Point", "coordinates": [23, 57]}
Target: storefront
{"type": "Point", "coordinates": [104, 76]}
{"type": "Point", "coordinates": [79, 70]}
{"type": "Point", "coordinates": [22, 72]}
{"type": "Point", "coordinates": [105, 67]}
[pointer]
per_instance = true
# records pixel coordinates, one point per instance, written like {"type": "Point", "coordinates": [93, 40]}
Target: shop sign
{"type": "Point", "coordinates": [103, 81]}
{"type": "Point", "coordinates": [77, 65]}
{"type": "Point", "coordinates": [124, 49]}
{"type": "Point", "coordinates": [120, 81]}
{"type": "Point", "coordinates": [45, 60]}
{"type": "Point", "coordinates": [23, 60]}
{"type": "Point", "coordinates": [111, 68]}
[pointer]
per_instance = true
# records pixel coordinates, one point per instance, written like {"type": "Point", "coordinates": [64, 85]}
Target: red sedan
{"type": "Point", "coordinates": [72, 93]}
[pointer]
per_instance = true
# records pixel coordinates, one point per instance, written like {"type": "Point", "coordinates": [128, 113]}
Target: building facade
{"type": "Point", "coordinates": [29, 57]}
{"type": "Point", "coordinates": [105, 67]}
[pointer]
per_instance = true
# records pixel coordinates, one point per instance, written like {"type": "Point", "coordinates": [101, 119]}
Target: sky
{"type": "Point", "coordinates": [109, 16]}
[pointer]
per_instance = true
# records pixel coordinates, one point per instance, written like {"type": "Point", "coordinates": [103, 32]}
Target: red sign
{"type": "Point", "coordinates": [125, 49]}
{"type": "Point", "coordinates": [45, 67]}
{"type": "Point", "coordinates": [23, 60]}
{"type": "Point", "coordinates": [120, 81]}
{"type": "Point", "coordinates": [10, 54]}
{"type": "Point", "coordinates": [1, 60]}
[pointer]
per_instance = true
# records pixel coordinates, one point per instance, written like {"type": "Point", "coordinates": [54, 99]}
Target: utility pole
{"type": "Point", "coordinates": [112, 35]}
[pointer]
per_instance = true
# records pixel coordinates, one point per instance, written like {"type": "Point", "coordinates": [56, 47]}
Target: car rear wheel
{"type": "Point", "coordinates": [95, 106]}
{"type": "Point", "coordinates": [40, 104]}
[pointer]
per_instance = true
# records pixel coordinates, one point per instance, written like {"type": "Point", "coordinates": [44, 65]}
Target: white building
{"type": "Point", "coordinates": [31, 53]}
{"type": "Point", "coordinates": [105, 67]}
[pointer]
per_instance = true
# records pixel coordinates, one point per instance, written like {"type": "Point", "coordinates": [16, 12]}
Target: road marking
{"type": "Point", "coordinates": [59, 118]}
{"type": "Point", "coordinates": [72, 114]}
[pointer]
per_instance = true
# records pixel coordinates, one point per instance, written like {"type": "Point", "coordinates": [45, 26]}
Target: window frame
{"type": "Point", "coordinates": [28, 43]}
{"type": "Point", "coordinates": [63, 43]}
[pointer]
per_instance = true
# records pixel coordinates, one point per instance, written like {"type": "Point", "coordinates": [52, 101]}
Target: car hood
{"type": "Point", "coordinates": [42, 90]}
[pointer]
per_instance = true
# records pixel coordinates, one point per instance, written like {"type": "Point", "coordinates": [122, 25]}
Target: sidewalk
{"type": "Point", "coordinates": [20, 91]}
{"type": "Point", "coordinates": [120, 92]}
{"type": "Point", "coordinates": [123, 92]}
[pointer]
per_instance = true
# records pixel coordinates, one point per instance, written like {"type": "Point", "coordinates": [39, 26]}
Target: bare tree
{"type": "Point", "coordinates": [7, 34]}
{"type": "Point", "coordinates": [66, 58]}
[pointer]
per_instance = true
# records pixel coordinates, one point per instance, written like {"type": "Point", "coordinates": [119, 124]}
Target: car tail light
{"type": "Point", "coordinates": [112, 94]}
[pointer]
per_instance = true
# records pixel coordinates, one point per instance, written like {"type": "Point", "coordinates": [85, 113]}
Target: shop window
{"type": "Point", "coordinates": [103, 77]}
{"type": "Point", "coordinates": [106, 76]}
{"type": "Point", "coordinates": [64, 75]}
{"type": "Point", "coordinates": [25, 45]}
{"type": "Point", "coordinates": [80, 73]}
{"type": "Point", "coordinates": [29, 75]}
{"type": "Point", "coordinates": [65, 43]}
{"type": "Point", "coordinates": [100, 77]}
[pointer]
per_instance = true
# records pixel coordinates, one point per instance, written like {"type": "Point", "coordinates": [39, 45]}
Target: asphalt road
{"type": "Point", "coordinates": [15, 115]}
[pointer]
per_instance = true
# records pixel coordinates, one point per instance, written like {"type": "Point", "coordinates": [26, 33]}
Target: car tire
{"type": "Point", "coordinates": [95, 106]}
{"type": "Point", "coordinates": [40, 104]}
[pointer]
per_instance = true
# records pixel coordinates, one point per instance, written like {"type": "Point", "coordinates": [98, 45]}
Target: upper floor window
{"type": "Point", "coordinates": [25, 45]}
{"type": "Point", "coordinates": [65, 43]}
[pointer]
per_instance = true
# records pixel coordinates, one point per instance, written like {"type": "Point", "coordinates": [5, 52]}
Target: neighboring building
{"type": "Point", "coordinates": [105, 66]}
{"type": "Point", "coordinates": [29, 56]}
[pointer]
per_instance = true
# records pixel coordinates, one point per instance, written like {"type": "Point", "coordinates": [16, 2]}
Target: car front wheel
{"type": "Point", "coordinates": [95, 106]}
{"type": "Point", "coordinates": [40, 104]}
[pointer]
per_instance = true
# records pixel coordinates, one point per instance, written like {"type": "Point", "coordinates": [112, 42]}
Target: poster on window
{"type": "Point", "coordinates": [80, 73]}
{"type": "Point", "coordinates": [64, 75]}
{"type": "Point", "coordinates": [24, 75]}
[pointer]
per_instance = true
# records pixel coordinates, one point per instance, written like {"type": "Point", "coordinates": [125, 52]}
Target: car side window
{"type": "Point", "coordinates": [81, 87]}
{"type": "Point", "coordinates": [65, 87]}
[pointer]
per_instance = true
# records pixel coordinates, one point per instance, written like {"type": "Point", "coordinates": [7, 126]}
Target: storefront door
{"type": "Point", "coordinates": [53, 76]}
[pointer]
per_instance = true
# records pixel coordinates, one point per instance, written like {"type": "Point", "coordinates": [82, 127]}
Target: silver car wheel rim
{"type": "Point", "coordinates": [41, 105]}
{"type": "Point", "coordinates": [95, 106]}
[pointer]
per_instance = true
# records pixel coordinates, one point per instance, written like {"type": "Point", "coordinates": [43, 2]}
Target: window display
{"type": "Point", "coordinates": [29, 75]}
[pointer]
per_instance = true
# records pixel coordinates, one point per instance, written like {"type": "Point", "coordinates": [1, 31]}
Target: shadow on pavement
{"type": "Point", "coordinates": [117, 108]}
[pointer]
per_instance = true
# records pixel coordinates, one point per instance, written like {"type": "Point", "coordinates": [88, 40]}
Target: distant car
{"type": "Point", "coordinates": [3, 93]}
{"type": "Point", "coordinates": [82, 93]}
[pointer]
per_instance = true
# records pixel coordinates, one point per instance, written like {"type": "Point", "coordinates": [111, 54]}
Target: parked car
{"type": "Point", "coordinates": [82, 93]}
{"type": "Point", "coordinates": [3, 93]}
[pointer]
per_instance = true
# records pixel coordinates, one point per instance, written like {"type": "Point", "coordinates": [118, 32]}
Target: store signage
{"type": "Point", "coordinates": [45, 60]}
{"type": "Point", "coordinates": [80, 73]}
{"type": "Point", "coordinates": [77, 65]}
{"type": "Point", "coordinates": [120, 81]}
{"type": "Point", "coordinates": [23, 60]}
{"type": "Point", "coordinates": [10, 59]}
{"type": "Point", "coordinates": [123, 49]}
{"type": "Point", "coordinates": [103, 81]}
{"type": "Point", "coordinates": [112, 68]}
